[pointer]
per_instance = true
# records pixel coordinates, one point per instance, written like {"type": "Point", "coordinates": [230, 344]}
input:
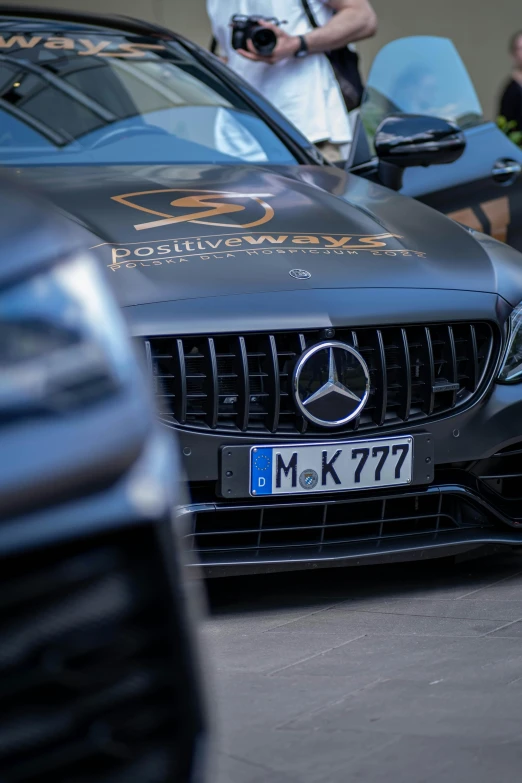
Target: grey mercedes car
{"type": "Point", "coordinates": [100, 674]}
{"type": "Point", "coordinates": [340, 362]}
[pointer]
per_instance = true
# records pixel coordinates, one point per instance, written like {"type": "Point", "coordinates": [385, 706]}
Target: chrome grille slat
{"type": "Point", "coordinates": [430, 395]}
{"type": "Point", "coordinates": [475, 364]}
{"type": "Point", "coordinates": [243, 382]}
{"type": "Point", "coordinates": [244, 399]}
{"type": "Point", "coordinates": [453, 360]}
{"type": "Point", "coordinates": [382, 383]}
{"type": "Point", "coordinates": [275, 408]}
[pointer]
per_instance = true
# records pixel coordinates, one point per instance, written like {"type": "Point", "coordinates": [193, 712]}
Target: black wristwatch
{"type": "Point", "coordinates": [303, 47]}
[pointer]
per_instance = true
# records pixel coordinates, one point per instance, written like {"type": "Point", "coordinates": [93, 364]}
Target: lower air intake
{"type": "Point", "coordinates": [251, 528]}
{"type": "Point", "coordinates": [88, 682]}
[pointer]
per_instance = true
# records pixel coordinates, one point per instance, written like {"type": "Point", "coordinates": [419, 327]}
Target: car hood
{"type": "Point", "coordinates": [180, 232]}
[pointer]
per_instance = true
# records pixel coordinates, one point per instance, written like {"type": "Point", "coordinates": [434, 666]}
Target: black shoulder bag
{"type": "Point", "coordinates": [345, 64]}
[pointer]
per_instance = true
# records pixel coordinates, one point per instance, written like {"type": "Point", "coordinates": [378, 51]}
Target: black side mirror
{"type": "Point", "coordinates": [404, 140]}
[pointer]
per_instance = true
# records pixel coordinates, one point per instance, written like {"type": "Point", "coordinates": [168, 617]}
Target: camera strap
{"type": "Point", "coordinates": [308, 12]}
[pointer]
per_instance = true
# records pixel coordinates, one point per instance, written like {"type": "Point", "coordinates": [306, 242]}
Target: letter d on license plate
{"type": "Point", "coordinates": [332, 467]}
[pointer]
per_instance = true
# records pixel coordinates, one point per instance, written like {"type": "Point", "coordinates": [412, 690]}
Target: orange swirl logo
{"type": "Point", "coordinates": [208, 203]}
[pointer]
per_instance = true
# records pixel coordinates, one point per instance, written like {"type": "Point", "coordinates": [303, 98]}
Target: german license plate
{"type": "Point", "coordinates": [332, 467]}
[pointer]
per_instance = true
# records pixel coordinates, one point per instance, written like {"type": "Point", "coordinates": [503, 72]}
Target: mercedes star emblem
{"type": "Point", "coordinates": [331, 384]}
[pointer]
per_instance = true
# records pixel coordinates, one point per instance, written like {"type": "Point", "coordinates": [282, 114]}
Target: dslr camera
{"type": "Point", "coordinates": [245, 28]}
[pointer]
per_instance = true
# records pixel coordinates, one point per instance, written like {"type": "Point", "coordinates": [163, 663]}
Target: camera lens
{"type": "Point", "coordinates": [264, 40]}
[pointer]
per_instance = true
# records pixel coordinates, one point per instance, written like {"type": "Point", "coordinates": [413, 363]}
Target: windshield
{"type": "Point", "coordinates": [76, 97]}
{"type": "Point", "coordinates": [419, 75]}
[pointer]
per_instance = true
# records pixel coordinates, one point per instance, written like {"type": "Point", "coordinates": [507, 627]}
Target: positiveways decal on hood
{"type": "Point", "coordinates": [194, 231]}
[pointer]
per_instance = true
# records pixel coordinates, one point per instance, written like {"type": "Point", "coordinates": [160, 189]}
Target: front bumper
{"type": "Point", "coordinates": [253, 535]}
{"type": "Point", "coordinates": [472, 502]}
{"type": "Point", "coordinates": [96, 629]}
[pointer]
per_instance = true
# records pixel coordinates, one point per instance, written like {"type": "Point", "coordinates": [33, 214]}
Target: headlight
{"type": "Point", "coordinates": [62, 340]}
{"type": "Point", "coordinates": [511, 370]}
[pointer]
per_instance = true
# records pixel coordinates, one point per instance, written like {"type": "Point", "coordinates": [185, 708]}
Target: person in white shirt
{"type": "Point", "coordinates": [297, 76]}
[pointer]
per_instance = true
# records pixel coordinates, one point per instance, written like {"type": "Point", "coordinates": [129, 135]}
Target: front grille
{"type": "Point", "coordinates": [253, 528]}
{"type": "Point", "coordinates": [242, 383]}
{"type": "Point", "coordinates": [88, 683]}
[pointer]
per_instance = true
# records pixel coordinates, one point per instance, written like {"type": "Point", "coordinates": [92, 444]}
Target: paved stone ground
{"type": "Point", "coordinates": [400, 673]}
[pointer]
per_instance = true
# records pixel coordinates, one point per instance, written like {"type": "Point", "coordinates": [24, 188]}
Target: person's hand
{"type": "Point", "coordinates": [286, 46]}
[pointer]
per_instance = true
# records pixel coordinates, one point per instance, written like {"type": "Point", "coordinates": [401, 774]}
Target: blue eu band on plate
{"type": "Point", "coordinates": [331, 467]}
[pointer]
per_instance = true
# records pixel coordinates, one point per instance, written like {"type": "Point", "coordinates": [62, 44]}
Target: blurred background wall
{"type": "Point", "coordinates": [480, 30]}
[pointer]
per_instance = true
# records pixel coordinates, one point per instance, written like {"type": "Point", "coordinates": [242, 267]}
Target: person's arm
{"type": "Point", "coordinates": [354, 20]}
